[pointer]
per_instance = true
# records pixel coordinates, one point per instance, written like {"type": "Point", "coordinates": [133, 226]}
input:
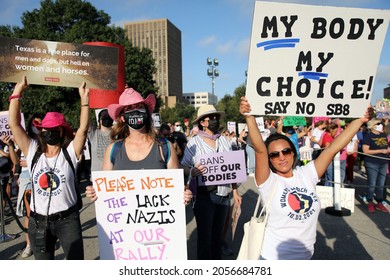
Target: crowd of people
{"type": "Point", "coordinates": [124, 138]}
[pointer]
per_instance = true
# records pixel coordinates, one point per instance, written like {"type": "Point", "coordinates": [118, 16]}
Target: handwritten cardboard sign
{"type": "Point", "coordinates": [141, 214]}
{"type": "Point", "coordinates": [326, 194]}
{"type": "Point", "coordinates": [231, 126]}
{"type": "Point", "coordinates": [313, 61]}
{"type": "Point", "coordinates": [4, 126]}
{"type": "Point", "coordinates": [294, 121]}
{"type": "Point", "coordinates": [222, 168]}
{"type": "Point", "coordinates": [58, 64]}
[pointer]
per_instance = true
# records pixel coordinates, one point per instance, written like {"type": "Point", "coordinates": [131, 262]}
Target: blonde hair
{"type": "Point", "coordinates": [373, 122]}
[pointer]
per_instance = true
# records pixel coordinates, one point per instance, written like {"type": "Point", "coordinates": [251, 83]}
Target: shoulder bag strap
{"type": "Point", "coordinates": [266, 205]}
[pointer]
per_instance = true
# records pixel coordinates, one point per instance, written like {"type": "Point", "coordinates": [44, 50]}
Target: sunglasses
{"type": "Point", "coordinates": [285, 152]}
{"type": "Point", "coordinates": [177, 125]}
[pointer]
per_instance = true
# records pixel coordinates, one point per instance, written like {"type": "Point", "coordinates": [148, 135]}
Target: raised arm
{"type": "Point", "coordinates": [82, 131]}
{"type": "Point", "coordinates": [14, 116]}
{"type": "Point", "coordinates": [12, 153]}
{"type": "Point", "coordinates": [262, 169]}
{"type": "Point", "coordinates": [327, 155]}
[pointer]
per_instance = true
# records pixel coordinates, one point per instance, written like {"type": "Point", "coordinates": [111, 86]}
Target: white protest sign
{"type": "Point", "coordinates": [231, 126]}
{"type": "Point", "coordinates": [4, 126]}
{"type": "Point", "coordinates": [347, 197]}
{"type": "Point", "coordinates": [141, 214]}
{"type": "Point", "coordinates": [313, 61]}
{"type": "Point", "coordinates": [241, 127]}
{"type": "Point", "coordinates": [260, 123]}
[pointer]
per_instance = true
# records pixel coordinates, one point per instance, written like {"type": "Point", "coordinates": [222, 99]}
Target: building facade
{"type": "Point", "coordinates": [164, 39]}
{"type": "Point", "coordinates": [386, 92]}
{"type": "Point", "coordinates": [197, 99]}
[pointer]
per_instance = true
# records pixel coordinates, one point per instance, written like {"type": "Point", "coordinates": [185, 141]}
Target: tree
{"type": "Point", "coordinates": [180, 112]}
{"type": "Point", "coordinates": [230, 105]}
{"type": "Point", "coordinates": [75, 21]}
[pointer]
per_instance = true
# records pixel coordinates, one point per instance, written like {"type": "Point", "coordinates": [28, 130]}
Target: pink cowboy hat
{"type": "Point", "coordinates": [130, 97]}
{"type": "Point", "coordinates": [52, 120]}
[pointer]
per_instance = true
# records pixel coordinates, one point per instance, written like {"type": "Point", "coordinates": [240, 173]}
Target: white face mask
{"type": "Point", "coordinates": [379, 127]}
{"type": "Point", "coordinates": [177, 128]}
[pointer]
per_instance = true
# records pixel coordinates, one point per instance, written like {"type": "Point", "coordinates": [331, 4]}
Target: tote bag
{"type": "Point", "coordinates": [254, 229]}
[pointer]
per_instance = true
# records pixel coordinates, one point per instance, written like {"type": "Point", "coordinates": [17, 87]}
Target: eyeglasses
{"type": "Point", "coordinates": [285, 152]}
{"type": "Point", "coordinates": [177, 124]}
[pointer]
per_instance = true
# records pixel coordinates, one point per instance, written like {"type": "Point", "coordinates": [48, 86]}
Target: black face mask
{"type": "Point", "coordinates": [136, 119]}
{"type": "Point", "coordinates": [52, 137]}
{"type": "Point", "coordinates": [107, 122]}
{"type": "Point", "coordinates": [214, 125]}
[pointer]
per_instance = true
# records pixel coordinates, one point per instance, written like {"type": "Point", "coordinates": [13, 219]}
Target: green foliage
{"type": "Point", "coordinates": [230, 105]}
{"type": "Point", "coordinates": [74, 21]}
{"type": "Point", "coordinates": [180, 112]}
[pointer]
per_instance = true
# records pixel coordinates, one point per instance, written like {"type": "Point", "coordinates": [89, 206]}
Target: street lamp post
{"type": "Point", "coordinates": [212, 72]}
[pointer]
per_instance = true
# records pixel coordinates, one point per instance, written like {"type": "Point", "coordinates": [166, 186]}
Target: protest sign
{"type": "Point", "coordinates": [294, 121]}
{"type": "Point", "coordinates": [383, 109]}
{"type": "Point", "coordinates": [326, 195]}
{"type": "Point", "coordinates": [141, 214]}
{"type": "Point", "coordinates": [313, 61]}
{"type": "Point", "coordinates": [222, 168]}
{"type": "Point", "coordinates": [260, 123]}
{"type": "Point", "coordinates": [241, 127]}
{"type": "Point", "coordinates": [4, 126]}
{"type": "Point", "coordinates": [58, 64]}
{"type": "Point", "coordinates": [156, 120]}
{"type": "Point", "coordinates": [231, 126]}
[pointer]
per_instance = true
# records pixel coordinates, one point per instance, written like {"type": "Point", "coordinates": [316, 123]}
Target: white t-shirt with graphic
{"type": "Point", "coordinates": [63, 193]}
{"type": "Point", "coordinates": [292, 221]}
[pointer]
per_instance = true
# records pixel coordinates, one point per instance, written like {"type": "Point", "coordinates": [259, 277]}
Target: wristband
{"type": "Point", "coordinates": [14, 97]}
{"type": "Point", "coordinates": [84, 105]}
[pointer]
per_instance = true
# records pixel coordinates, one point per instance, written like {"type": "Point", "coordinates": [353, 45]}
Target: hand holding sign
{"type": "Point", "coordinates": [19, 88]}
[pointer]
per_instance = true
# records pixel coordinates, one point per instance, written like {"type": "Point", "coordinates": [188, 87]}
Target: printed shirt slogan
{"type": "Point", "coordinates": [141, 214]}
{"type": "Point", "coordinates": [312, 60]}
{"type": "Point", "coordinates": [58, 64]}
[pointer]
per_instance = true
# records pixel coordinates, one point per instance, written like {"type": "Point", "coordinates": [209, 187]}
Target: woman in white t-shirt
{"type": "Point", "coordinates": [293, 214]}
{"type": "Point", "coordinates": [53, 161]}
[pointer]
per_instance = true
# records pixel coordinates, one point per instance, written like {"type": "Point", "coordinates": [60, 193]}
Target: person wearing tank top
{"type": "Point", "coordinates": [141, 147]}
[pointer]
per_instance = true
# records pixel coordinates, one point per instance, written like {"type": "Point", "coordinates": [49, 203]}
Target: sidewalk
{"type": "Point", "coordinates": [360, 236]}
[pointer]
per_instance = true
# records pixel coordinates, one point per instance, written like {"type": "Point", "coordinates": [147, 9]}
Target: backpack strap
{"type": "Point", "coordinates": [67, 157]}
{"type": "Point", "coordinates": [116, 147]}
{"type": "Point", "coordinates": [76, 178]}
{"type": "Point", "coordinates": [34, 160]}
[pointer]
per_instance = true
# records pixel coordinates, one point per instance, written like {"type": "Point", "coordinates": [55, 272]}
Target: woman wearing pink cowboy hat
{"type": "Point", "coordinates": [54, 200]}
{"type": "Point", "coordinates": [141, 148]}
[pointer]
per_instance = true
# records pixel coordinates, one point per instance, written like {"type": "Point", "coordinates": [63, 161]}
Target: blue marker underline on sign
{"type": "Point", "coordinates": [313, 75]}
{"type": "Point", "coordinates": [279, 43]}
